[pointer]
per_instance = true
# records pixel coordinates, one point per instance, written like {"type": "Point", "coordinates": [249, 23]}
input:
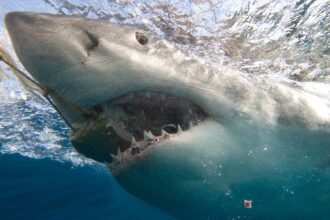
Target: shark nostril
{"type": "Point", "coordinates": [93, 41]}
{"type": "Point", "coordinates": [141, 38]}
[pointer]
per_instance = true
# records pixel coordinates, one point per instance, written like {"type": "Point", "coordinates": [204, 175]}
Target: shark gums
{"type": "Point", "coordinates": [191, 139]}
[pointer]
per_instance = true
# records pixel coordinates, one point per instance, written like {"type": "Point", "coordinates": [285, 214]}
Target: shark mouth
{"type": "Point", "coordinates": [143, 119]}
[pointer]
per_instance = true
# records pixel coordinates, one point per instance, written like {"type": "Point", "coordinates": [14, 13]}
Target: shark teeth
{"type": "Point", "coordinates": [117, 158]}
{"type": "Point", "coordinates": [163, 132]}
{"type": "Point", "coordinates": [133, 142]}
{"type": "Point", "coordinates": [149, 139]}
{"type": "Point", "coordinates": [179, 129]}
{"type": "Point", "coordinates": [114, 158]}
{"type": "Point", "coordinates": [137, 147]}
{"type": "Point", "coordinates": [147, 135]}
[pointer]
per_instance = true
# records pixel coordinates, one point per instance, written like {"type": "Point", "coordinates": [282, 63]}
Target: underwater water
{"type": "Point", "coordinates": [45, 189]}
{"type": "Point", "coordinates": [43, 177]}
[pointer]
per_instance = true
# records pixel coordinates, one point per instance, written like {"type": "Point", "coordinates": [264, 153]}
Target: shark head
{"type": "Point", "coordinates": [187, 137]}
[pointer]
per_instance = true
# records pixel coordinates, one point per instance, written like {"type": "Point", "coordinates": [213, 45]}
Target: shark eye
{"type": "Point", "coordinates": [141, 38]}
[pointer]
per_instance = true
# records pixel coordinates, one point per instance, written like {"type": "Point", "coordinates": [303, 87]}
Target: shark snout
{"type": "Point", "coordinates": [22, 25]}
{"type": "Point", "coordinates": [13, 19]}
{"type": "Point", "coordinates": [45, 46]}
{"type": "Point", "coordinates": [15, 23]}
{"type": "Point", "coordinates": [27, 27]}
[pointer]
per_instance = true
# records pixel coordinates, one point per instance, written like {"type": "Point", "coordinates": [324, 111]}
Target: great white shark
{"type": "Point", "coordinates": [192, 139]}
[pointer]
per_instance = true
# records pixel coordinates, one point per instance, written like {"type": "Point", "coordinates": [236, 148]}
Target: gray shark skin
{"type": "Point", "coordinates": [189, 138]}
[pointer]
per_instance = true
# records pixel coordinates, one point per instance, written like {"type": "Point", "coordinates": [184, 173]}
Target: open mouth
{"type": "Point", "coordinates": [142, 119]}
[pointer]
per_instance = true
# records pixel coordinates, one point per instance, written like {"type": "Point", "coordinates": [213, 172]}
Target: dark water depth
{"type": "Point", "coordinates": [46, 189]}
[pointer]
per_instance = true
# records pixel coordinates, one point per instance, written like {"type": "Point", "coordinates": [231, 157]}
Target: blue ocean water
{"type": "Point", "coordinates": [46, 189]}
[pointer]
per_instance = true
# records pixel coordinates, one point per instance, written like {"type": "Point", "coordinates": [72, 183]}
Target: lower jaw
{"type": "Point", "coordinates": [171, 175]}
